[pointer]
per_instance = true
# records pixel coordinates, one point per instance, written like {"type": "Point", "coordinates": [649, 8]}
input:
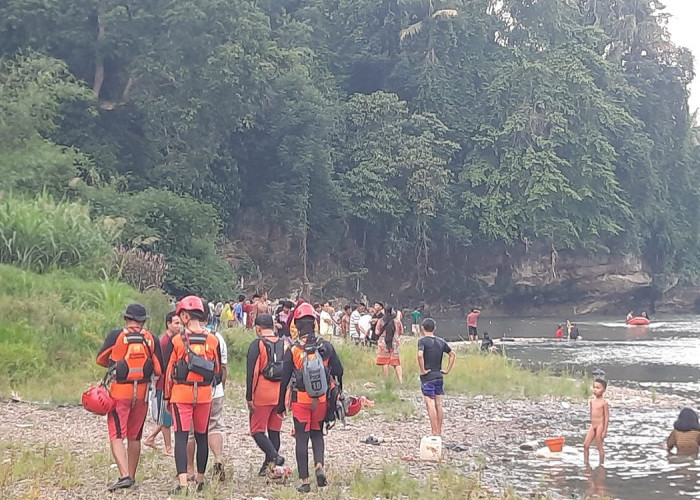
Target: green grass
{"type": "Point", "coordinates": [473, 373]}
{"type": "Point", "coordinates": [52, 326]}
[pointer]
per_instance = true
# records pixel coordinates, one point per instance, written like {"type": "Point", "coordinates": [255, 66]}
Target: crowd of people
{"type": "Point", "coordinates": [291, 367]}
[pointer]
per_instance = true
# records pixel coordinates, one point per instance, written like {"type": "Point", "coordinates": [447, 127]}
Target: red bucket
{"type": "Point", "coordinates": [555, 445]}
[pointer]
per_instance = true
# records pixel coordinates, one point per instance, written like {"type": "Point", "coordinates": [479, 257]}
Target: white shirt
{"type": "Point", "coordinates": [326, 327]}
{"type": "Point", "coordinates": [354, 320]}
{"type": "Point", "coordinates": [365, 325]}
{"type": "Point", "coordinates": [219, 389]}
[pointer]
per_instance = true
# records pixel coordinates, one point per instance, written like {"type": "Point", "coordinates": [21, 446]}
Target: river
{"type": "Point", "coordinates": [662, 357]}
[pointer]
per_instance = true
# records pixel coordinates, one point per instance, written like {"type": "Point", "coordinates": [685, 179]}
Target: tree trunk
{"type": "Point", "coordinates": [99, 60]}
{"type": "Point", "coordinates": [305, 285]}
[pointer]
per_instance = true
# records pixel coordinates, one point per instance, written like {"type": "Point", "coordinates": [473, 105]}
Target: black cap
{"type": "Point", "coordinates": [264, 320]}
{"type": "Point", "coordinates": [135, 311]}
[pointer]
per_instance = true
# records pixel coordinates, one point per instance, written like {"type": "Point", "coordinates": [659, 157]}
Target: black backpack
{"type": "Point", "coordinates": [275, 360]}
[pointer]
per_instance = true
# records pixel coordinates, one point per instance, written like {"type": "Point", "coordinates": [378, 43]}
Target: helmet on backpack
{"type": "Point", "coordinates": [190, 303]}
{"type": "Point", "coordinates": [353, 407]}
{"type": "Point", "coordinates": [97, 400]}
{"type": "Point", "coordinates": [304, 309]}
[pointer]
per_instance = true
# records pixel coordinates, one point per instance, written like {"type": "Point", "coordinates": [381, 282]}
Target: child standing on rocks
{"type": "Point", "coordinates": [600, 417]}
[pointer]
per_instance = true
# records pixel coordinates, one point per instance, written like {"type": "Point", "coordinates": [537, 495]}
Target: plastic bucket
{"type": "Point", "coordinates": [555, 445]}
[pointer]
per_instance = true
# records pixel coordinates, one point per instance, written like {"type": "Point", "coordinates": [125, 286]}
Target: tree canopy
{"type": "Point", "coordinates": [375, 133]}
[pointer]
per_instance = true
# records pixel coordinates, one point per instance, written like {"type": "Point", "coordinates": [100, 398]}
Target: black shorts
{"type": "Point", "coordinates": [472, 331]}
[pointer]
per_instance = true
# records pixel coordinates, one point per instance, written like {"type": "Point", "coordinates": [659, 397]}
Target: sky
{"type": "Point", "coordinates": [684, 26]}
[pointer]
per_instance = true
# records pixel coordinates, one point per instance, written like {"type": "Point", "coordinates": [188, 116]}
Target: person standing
{"type": "Point", "coordinates": [132, 356]}
{"type": "Point", "coordinates": [388, 330]}
{"type": "Point", "coordinates": [264, 369]}
{"type": "Point", "coordinates": [194, 362]}
{"type": "Point", "coordinates": [354, 320]}
{"type": "Point", "coordinates": [165, 420]}
{"type": "Point", "coordinates": [238, 316]}
{"type": "Point", "coordinates": [326, 321]}
{"type": "Point", "coordinates": [312, 361]}
{"type": "Point", "coordinates": [430, 353]}
{"type": "Point", "coordinates": [415, 321]}
{"type": "Point", "coordinates": [472, 320]}
{"type": "Point", "coordinates": [345, 321]}
{"type": "Point", "coordinates": [215, 432]}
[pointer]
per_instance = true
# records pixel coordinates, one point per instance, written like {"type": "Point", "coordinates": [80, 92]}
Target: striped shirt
{"type": "Point", "coordinates": [354, 320]}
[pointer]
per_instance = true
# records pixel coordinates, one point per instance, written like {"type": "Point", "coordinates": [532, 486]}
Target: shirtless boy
{"type": "Point", "coordinates": [600, 416]}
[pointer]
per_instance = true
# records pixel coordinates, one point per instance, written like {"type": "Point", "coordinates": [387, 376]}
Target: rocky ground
{"type": "Point", "coordinates": [62, 452]}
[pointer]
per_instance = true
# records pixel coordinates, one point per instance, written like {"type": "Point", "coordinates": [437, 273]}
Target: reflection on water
{"type": "Point", "coordinates": [664, 356]}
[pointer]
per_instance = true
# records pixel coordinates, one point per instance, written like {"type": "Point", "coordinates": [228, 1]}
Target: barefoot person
{"type": "Point", "coordinates": [165, 420]}
{"type": "Point", "coordinates": [133, 357]}
{"type": "Point", "coordinates": [600, 416]}
{"type": "Point", "coordinates": [308, 394]}
{"type": "Point", "coordinates": [430, 353]}
{"type": "Point", "coordinates": [194, 363]}
{"type": "Point", "coordinates": [264, 367]}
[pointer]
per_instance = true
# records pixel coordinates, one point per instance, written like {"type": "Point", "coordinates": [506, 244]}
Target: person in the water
{"type": "Point", "coordinates": [685, 436]}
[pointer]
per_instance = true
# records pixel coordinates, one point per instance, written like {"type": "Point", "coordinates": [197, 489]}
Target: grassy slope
{"type": "Point", "coordinates": [52, 326]}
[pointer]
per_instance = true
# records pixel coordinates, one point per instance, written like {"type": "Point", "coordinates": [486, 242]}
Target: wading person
{"type": "Point", "coordinates": [132, 355]}
{"type": "Point", "coordinates": [194, 362]}
{"type": "Point", "coordinates": [430, 353]}
{"type": "Point", "coordinates": [165, 420]}
{"type": "Point", "coordinates": [264, 370]}
{"type": "Point", "coordinates": [685, 436]}
{"type": "Point", "coordinates": [600, 417]}
{"type": "Point", "coordinates": [389, 329]}
{"type": "Point", "coordinates": [314, 366]}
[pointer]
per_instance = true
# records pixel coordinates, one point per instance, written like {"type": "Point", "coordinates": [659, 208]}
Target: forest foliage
{"type": "Point", "coordinates": [412, 129]}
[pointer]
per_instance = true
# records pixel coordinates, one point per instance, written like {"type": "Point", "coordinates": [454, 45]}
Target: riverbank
{"type": "Point", "coordinates": [51, 452]}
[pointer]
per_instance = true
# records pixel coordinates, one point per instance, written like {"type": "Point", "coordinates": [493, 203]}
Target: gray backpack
{"type": "Point", "coordinates": [313, 372]}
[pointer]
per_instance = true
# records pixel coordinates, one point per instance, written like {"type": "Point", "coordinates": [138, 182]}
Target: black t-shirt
{"type": "Point", "coordinates": [433, 348]}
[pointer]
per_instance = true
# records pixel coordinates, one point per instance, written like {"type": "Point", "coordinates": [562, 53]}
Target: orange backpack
{"type": "Point", "coordinates": [132, 355]}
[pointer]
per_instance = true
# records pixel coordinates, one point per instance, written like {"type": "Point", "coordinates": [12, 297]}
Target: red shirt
{"type": "Point", "coordinates": [559, 334]}
{"type": "Point", "coordinates": [472, 318]}
{"type": "Point", "coordinates": [247, 309]}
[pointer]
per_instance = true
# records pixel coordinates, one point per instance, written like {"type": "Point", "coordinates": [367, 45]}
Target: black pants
{"type": "Point", "coordinates": [302, 447]}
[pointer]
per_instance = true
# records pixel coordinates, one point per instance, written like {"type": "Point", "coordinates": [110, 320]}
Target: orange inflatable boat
{"type": "Point", "coordinates": [638, 320]}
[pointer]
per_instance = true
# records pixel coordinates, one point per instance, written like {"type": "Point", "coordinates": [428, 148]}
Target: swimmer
{"type": "Point", "coordinates": [600, 417]}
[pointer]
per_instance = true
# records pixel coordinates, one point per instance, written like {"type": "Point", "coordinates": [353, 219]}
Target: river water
{"type": "Point", "coordinates": [664, 357]}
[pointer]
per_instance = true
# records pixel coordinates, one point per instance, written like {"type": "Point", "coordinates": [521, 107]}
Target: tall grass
{"type": "Point", "coordinates": [40, 234]}
{"type": "Point", "coordinates": [51, 326]}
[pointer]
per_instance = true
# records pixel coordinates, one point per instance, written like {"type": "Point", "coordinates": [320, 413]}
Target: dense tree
{"type": "Point", "coordinates": [373, 133]}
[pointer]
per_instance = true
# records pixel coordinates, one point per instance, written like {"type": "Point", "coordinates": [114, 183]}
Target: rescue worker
{"type": "Point", "coordinates": [309, 412]}
{"type": "Point", "coordinates": [194, 364]}
{"type": "Point", "coordinates": [132, 355]}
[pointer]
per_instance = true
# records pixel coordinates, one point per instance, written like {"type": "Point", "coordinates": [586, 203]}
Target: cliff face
{"type": "Point", "coordinates": [507, 280]}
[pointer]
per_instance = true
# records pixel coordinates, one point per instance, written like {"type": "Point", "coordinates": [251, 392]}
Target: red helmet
{"type": "Point", "coordinates": [304, 309]}
{"type": "Point", "coordinates": [354, 407]}
{"type": "Point", "coordinates": [97, 400]}
{"type": "Point", "coordinates": [190, 303]}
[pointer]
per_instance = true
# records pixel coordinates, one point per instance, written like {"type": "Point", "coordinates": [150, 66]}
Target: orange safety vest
{"type": "Point", "coordinates": [193, 388]}
{"type": "Point", "coordinates": [299, 395]}
{"type": "Point", "coordinates": [133, 363]}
